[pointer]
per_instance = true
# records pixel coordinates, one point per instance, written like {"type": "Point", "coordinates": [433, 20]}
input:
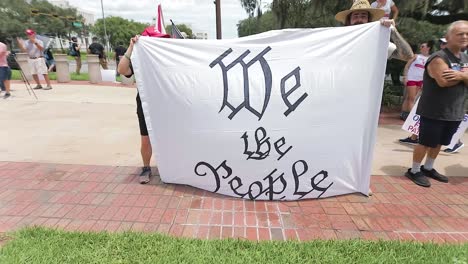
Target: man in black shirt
{"type": "Point", "coordinates": [119, 51]}
{"type": "Point", "coordinates": [75, 52]}
{"type": "Point", "coordinates": [441, 105]}
{"type": "Point", "coordinates": [97, 49]}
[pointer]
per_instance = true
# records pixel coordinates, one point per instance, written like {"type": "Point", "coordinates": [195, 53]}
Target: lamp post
{"type": "Point", "coordinates": [105, 30]}
{"type": "Point", "coordinates": [218, 19]}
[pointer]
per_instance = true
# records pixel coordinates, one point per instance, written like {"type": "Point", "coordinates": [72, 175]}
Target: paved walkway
{"type": "Point", "coordinates": [39, 187]}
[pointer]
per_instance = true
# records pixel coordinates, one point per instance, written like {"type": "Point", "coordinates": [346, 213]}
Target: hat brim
{"type": "Point", "coordinates": [376, 14]}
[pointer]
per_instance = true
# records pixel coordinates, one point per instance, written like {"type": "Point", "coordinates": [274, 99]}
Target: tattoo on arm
{"type": "Point", "coordinates": [403, 49]}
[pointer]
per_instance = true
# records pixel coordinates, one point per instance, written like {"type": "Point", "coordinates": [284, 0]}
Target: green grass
{"type": "Point", "coordinates": [39, 245]}
{"type": "Point", "coordinates": [16, 75]}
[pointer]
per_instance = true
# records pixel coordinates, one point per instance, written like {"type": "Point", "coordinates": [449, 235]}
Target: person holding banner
{"type": "Point", "coordinates": [125, 68]}
{"type": "Point", "coordinates": [361, 12]}
{"type": "Point", "coordinates": [441, 105]}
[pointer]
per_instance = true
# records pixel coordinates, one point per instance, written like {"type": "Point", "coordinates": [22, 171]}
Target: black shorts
{"type": "Point", "coordinates": [436, 132]}
{"type": "Point", "coordinates": [141, 117]}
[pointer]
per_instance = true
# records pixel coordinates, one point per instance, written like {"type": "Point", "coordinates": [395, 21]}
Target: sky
{"type": "Point", "coordinates": [197, 14]}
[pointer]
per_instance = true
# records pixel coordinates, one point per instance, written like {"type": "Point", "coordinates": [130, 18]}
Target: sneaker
{"type": "Point", "coordinates": [48, 87]}
{"type": "Point", "coordinates": [6, 95]}
{"type": "Point", "coordinates": [404, 115]}
{"type": "Point", "coordinates": [434, 175]}
{"type": "Point", "coordinates": [145, 175]}
{"type": "Point", "coordinates": [38, 87]}
{"type": "Point", "coordinates": [409, 141]}
{"type": "Point", "coordinates": [455, 148]}
{"type": "Point", "coordinates": [418, 178]}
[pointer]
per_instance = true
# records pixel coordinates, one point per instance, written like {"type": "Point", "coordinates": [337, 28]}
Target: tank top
{"type": "Point", "coordinates": [416, 69]}
{"type": "Point", "coordinates": [444, 103]}
{"type": "Point", "coordinates": [387, 8]}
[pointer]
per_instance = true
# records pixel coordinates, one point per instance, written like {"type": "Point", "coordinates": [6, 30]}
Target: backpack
{"type": "Point", "coordinates": [72, 51]}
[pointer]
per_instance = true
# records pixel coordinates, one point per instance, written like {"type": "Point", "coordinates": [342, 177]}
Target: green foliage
{"type": "Point", "coordinates": [315, 13]}
{"type": "Point", "coordinates": [50, 20]}
{"type": "Point", "coordinates": [39, 245]}
{"type": "Point", "coordinates": [182, 28]}
{"type": "Point", "coordinates": [118, 30]}
{"type": "Point", "coordinates": [255, 25]}
{"type": "Point", "coordinates": [416, 31]}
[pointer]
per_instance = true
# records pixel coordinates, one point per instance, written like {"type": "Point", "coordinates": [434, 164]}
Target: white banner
{"type": "Point", "coordinates": [412, 125]}
{"type": "Point", "coordinates": [283, 115]}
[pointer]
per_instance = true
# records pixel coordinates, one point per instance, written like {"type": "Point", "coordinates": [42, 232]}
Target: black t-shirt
{"type": "Point", "coordinates": [97, 49]}
{"type": "Point", "coordinates": [74, 46]}
{"type": "Point", "coordinates": [443, 103]}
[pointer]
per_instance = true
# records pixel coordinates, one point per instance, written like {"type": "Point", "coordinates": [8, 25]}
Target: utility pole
{"type": "Point", "coordinates": [218, 19]}
{"type": "Point", "coordinates": [105, 30]}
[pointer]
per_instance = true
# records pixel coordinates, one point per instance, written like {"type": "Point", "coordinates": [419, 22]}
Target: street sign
{"type": "Point", "coordinates": [77, 24]}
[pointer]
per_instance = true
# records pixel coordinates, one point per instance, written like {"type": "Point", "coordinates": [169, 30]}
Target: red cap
{"type": "Point", "coordinates": [30, 32]}
{"type": "Point", "coordinates": [152, 32]}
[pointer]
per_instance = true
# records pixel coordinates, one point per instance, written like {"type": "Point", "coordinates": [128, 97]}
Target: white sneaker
{"type": "Point", "coordinates": [48, 87]}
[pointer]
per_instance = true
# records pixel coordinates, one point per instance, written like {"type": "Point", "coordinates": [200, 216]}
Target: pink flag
{"type": "Point", "coordinates": [160, 22]}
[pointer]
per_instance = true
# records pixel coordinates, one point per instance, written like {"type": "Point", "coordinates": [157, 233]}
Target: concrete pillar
{"type": "Point", "coordinates": [62, 67]}
{"type": "Point", "coordinates": [22, 59]}
{"type": "Point", "coordinates": [94, 68]}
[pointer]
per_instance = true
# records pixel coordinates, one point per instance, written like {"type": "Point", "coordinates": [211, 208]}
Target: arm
{"type": "Point", "coordinates": [39, 45]}
{"type": "Point", "coordinates": [403, 51]}
{"type": "Point", "coordinates": [443, 75]}
{"type": "Point", "coordinates": [408, 64]}
{"type": "Point", "coordinates": [395, 11]}
{"type": "Point", "coordinates": [124, 64]}
{"type": "Point", "coordinates": [21, 44]}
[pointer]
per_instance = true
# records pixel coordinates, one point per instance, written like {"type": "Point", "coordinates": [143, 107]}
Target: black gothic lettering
{"type": "Point", "coordinates": [291, 107]}
{"type": "Point", "coordinates": [223, 165]}
{"type": "Point", "coordinates": [245, 66]}
{"type": "Point", "coordinates": [314, 185]}
{"type": "Point", "coordinates": [278, 144]}
{"type": "Point", "coordinates": [270, 191]}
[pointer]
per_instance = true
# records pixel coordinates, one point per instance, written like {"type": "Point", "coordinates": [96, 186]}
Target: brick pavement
{"type": "Point", "coordinates": [94, 198]}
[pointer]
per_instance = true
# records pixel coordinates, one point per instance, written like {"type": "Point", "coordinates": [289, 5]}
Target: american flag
{"type": "Point", "coordinates": [176, 32]}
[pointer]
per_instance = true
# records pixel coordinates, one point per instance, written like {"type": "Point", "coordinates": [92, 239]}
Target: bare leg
{"type": "Point", "coordinates": [7, 85]}
{"type": "Point", "coordinates": [411, 94]}
{"type": "Point", "coordinates": [146, 150]}
{"type": "Point", "coordinates": [434, 152]}
{"type": "Point", "coordinates": [46, 77]}
{"type": "Point", "coordinates": [419, 153]}
{"type": "Point", "coordinates": [36, 79]}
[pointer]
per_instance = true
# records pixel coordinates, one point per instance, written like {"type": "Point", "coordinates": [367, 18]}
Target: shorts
{"type": "Point", "coordinates": [37, 66]}
{"type": "Point", "coordinates": [414, 83]}
{"type": "Point", "coordinates": [436, 132]}
{"type": "Point", "coordinates": [141, 117]}
{"type": "Point", "coordinates": [5, 74]}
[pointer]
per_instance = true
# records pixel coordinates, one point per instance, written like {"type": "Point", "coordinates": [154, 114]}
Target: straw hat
{"type": "Point", "coordinates": [361, 5]}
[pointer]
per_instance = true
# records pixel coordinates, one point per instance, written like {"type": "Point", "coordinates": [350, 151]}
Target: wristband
{"type": "Point", "coordinates": [126, 56]}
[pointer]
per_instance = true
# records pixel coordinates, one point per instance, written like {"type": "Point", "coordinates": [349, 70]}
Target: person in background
{"type": "Point", "coordinates": [388, 6]}
{"type": "Point", "coordinates": [50, 61]}
{"type": "Point", "coordinates": [97, 49]}
{"type": "Point", "coordinates": [125, 68]}
{"type": "Point", "coordinates": [75, 52]}
{"type": "Point", "coordinates": [119, 51]}
{"type": "Point", "coordinates": [37, 65]}
{"type": "Point", "coordinates": [413, 78]}
{"type": "Point", "coordinates": [441, 105]}
{"type": "Point", "coordinates": [5, 71]}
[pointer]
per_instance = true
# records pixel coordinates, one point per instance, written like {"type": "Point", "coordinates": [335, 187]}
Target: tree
{"type": "Point", "coordinates": [43, 17]}
{"type": "Point", "coordinates": [118, 30]}
{"type": "Point", "coordinates": [251, 6]}
{"type": "Point", "coordinates": [182, 28]}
